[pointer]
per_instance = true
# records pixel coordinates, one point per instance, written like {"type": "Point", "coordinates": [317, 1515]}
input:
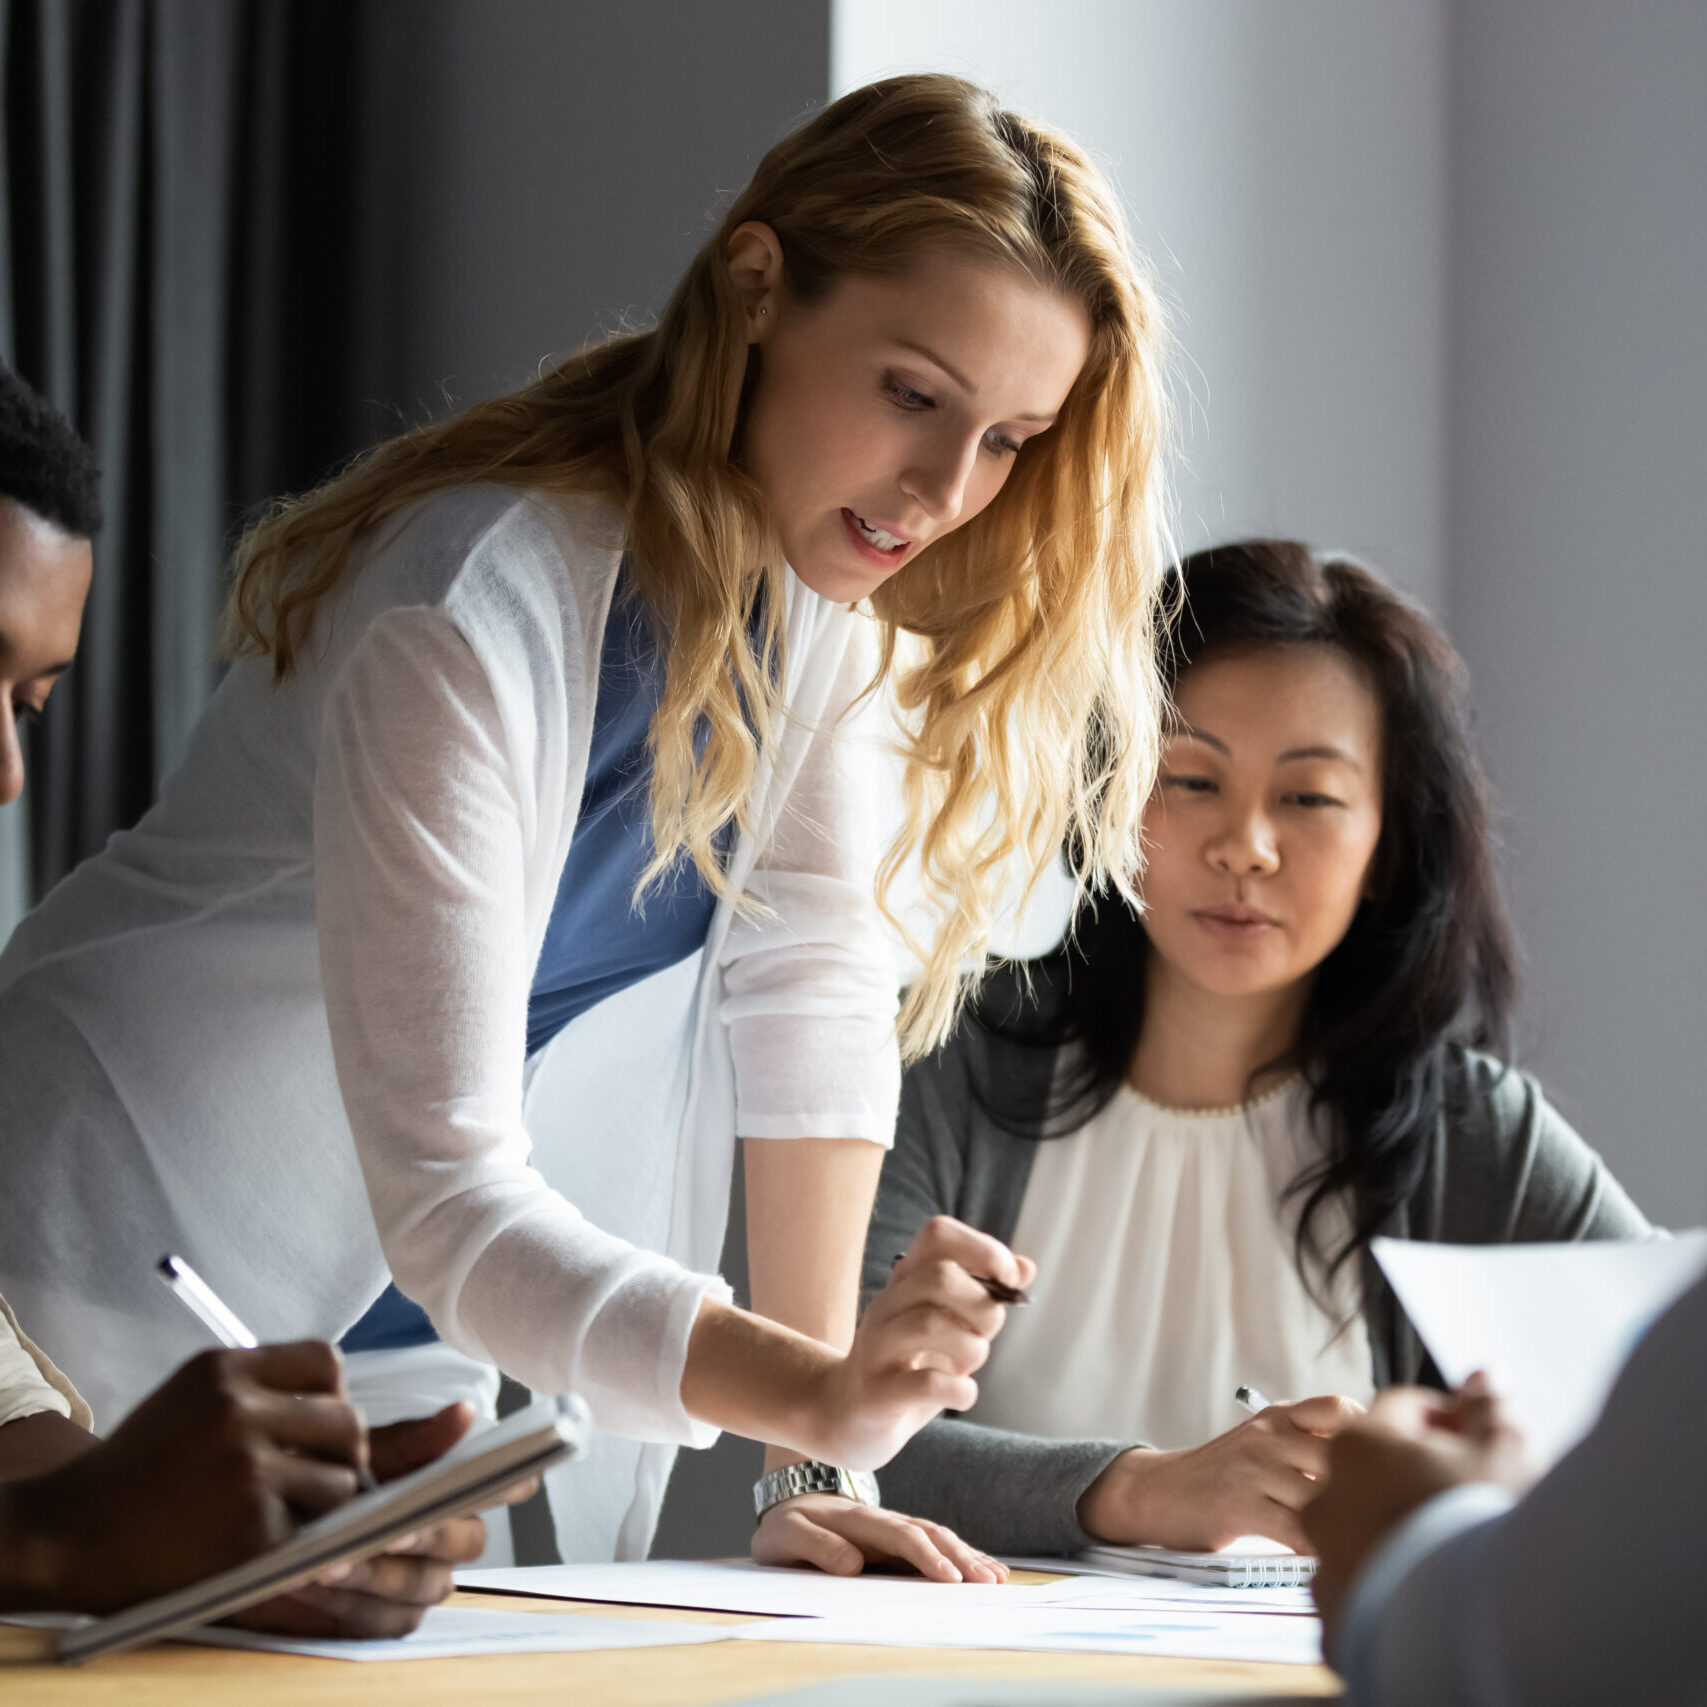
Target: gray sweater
{"type": "Point", "coordinates": [1503, 1167]}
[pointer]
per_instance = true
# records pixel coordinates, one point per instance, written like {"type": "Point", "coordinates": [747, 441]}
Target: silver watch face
{"type": "Point", "coordinates": [864, 1486]}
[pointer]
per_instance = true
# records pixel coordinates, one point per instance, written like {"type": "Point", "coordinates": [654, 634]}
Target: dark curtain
{"type": "Point", "coordinates": [176, 274]}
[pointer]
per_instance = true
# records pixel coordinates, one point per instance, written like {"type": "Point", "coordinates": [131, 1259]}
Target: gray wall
{"type": "Point", "coordinates": [14, 864]}
{"type": "Point", "coordinates": [1577, 586]}
{"type": "Point", "coordinates": [537, 170]}
{"type": "Point", "coordinates": [1436, 267]}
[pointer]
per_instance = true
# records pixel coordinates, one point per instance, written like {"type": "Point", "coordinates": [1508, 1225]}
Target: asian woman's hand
{"type": "Point", "coordinates": [1252, 1480]}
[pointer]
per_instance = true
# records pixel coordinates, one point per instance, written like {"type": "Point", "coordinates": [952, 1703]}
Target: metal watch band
{"type": "Point", "coordinates": [813, 1477]}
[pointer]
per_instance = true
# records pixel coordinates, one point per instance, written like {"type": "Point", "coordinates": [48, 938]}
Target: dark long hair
{"type": "Point", "coordinates": [1428, 962]}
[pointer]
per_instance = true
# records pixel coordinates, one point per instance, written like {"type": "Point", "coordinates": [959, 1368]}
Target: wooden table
{"type": "Point", "coordinates": [175, 1675]}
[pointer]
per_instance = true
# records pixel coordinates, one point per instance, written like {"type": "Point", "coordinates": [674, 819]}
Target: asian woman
{"type": "Point", "coordinates": [1195, 1115]}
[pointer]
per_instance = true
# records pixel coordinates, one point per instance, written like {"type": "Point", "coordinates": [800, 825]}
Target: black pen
{"type": "Point", "coordinates": [997, 1289]}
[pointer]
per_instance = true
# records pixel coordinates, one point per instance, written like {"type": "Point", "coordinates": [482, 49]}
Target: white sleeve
{"type": "Point", "coordinates": [419, 889]}
{"type": "Point", "coordinates": [810, 991]}
{"type": "Point", "coordinates": [29, 1383]}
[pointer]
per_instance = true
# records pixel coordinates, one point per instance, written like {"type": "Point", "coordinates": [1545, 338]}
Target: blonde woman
{"type": "Point", "coordinates": [537, 703]}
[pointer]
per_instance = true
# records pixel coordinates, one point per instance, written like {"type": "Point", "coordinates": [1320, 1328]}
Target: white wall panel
{"type": "Point", "coordinates": [1285, 169]}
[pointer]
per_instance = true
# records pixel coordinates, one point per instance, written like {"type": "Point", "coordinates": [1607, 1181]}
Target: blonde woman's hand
{"type": "Point", "coordinates": [842, 1537]}
{"type": "Point", "coordinates": [914, 1353]}
{"type": "Point", "coordinates": [918, 1345]}
{"type": "Point", "coordinates": [1252, 1480]}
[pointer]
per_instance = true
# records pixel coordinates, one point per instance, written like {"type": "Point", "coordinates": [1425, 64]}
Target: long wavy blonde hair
{"type": "Point", "coordinates": [1028, 684]}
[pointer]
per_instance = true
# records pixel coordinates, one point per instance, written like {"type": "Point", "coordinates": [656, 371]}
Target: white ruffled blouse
{"type": "Point", "coordinates": [1167, 1280]}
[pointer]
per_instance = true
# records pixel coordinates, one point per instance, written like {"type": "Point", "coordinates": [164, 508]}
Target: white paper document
{"type": "Point", "coordinates": [1551, 1324]}
{"type": "Point", "coordinates": [1096, 1585]}
{"type": "Point", "coordinates": [1012, 1692]}
{"type": "Point", "coordinates": [738, 1586]}
{"type": "Point", "coordinates": [449, 1632]}
{"type": "Point", "coordinates": [1065, 1629]}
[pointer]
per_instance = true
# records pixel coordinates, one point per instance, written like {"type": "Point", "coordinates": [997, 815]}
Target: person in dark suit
{"type": "Point", "coordinates": [1438, 1582]}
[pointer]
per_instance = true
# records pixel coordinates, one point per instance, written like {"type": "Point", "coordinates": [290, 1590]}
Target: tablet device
{"type": "Point", "coordinates": [476, 1472]}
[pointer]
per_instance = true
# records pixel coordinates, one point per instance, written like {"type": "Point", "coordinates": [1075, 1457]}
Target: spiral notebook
{"type": "Point", "coordinates": [1248, 1563]}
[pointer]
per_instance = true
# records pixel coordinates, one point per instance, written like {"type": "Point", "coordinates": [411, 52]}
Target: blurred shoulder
{"type": "Point", "coordinates": [1488, 1100]}
{"type": "Point", "coordinates": [1517, 1168]}
{"type": "Point", "coordinates": [1478, 1081]}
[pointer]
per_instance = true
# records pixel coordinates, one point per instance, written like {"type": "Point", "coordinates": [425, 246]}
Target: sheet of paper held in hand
{"type": "Point", "coordinates": [1551, 1325]}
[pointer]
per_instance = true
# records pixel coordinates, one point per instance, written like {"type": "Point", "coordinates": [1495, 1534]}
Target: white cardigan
{"type": "Point", "coordinates": [326, 929]}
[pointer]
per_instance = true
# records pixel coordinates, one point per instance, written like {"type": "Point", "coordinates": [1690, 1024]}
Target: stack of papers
{"type": "Point", "coordinates": [1080, 1614]}
{"type": "Point", "coordinates": [739, 1586]}
{"type": "Point", "coordinates": [450, 1632]}
{"type": "Point", "coordinates": [1093, 1614]}
{"type": "Point", "coordinates": [1009, 1692]}
{"type": "Point", "coordinates": [1178, 1631]}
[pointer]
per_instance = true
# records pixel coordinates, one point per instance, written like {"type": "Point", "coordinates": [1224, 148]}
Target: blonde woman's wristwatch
{"type": "Point", "coordinates": [812, 1477]}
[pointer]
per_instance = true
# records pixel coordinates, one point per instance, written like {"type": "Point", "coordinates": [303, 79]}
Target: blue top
{"type": "Point", "coordinates": [596, 943]}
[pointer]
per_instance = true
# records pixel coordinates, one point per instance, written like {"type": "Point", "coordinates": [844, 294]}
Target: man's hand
{"type": "Point", "coordinates": [1252, 1480]}
{"type": "Point", "coordinates": [1413, 1445]}
{"type": "Point", "coordinates": [386, 1595]}
{"type": "Point", "coordinates": [842, 1537]}
{"type": "Point", "coordinates": [214, 1466]}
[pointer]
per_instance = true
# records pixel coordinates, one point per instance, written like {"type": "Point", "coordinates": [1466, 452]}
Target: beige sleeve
{"type": "Point", "coordinates": [28, 1380]}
